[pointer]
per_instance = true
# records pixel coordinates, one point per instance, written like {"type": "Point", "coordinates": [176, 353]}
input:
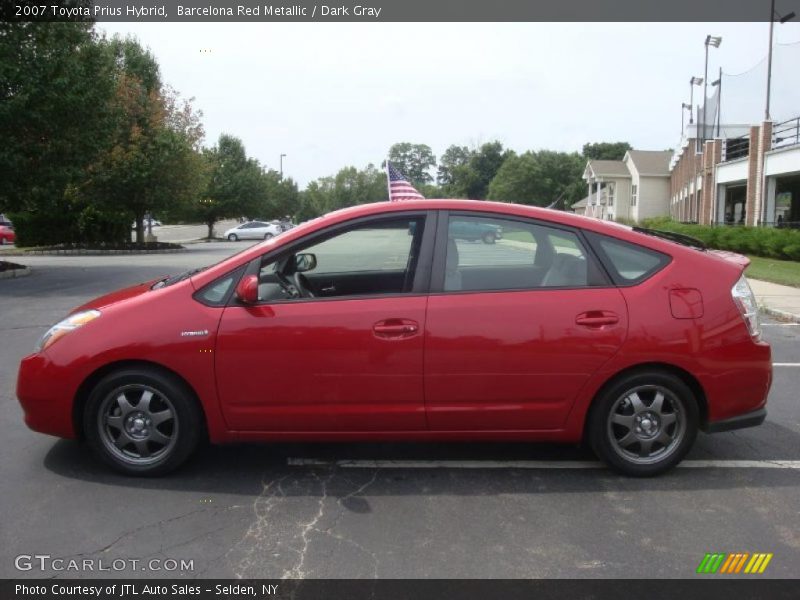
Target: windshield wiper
{"type": "Point", "coordinates": [678, 238]}
{"type": "Point", "coordinates": [173, 279]}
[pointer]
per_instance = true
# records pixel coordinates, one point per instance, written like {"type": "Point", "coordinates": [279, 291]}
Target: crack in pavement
{"type": "Point", "coordinates": [297, 571]}
{"type": "Point", "coordinates": [277, 542]}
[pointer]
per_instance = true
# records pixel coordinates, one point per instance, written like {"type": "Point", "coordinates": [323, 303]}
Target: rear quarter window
{"type": "Point", "coordinates": [627, 263]}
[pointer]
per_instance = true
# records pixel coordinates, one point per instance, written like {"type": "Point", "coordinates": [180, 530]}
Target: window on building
{"type": "Point", "coordinates": [611, 190]}
{"type": "Point", "coordinates": [634, 194]}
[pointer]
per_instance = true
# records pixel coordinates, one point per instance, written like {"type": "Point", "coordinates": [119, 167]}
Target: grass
{"type": "Point", "coordinates": [785, 272]}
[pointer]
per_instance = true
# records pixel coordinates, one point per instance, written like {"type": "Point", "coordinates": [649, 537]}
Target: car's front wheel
{"type": "Point", "coordinates": [142, 421]}
{"type": "Point", "coordinates": [268, 236]}
{"type": "Point", "coordinates": [644, 423]}
{"type": "Point", "coordinates": [489, 238]}
{"type": "Point", "coordinates": [233, 237]}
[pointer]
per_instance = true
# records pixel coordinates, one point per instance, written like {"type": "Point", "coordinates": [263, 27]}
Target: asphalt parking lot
{"type": "Point", "coordinates": [380, 510]}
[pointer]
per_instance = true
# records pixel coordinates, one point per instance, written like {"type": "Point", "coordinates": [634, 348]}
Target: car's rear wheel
{"type": "Point", "coordinates": [233, 237]}
{"type": "Point", "coordinates": [489, 238]}
{"type": "Point", "coordinates": [142, 421]}
{"type": "Point", "coordinates": [644, 423]}
{"type": "Point", "coordinates": [268, 236]}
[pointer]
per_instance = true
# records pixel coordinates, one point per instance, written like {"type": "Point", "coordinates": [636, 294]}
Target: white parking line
{"type": "Point", "coordinates": [786, 364]}
{"type": "Point", "coordinates": [780, 324]}
{"type": "Point", "coordinates": [527, 464]}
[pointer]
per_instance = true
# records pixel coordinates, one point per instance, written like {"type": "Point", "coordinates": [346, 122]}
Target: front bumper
{"type": "Point", "coordinates": [46, 396]}
{"type": "Point", "coordinates": [751, 419]}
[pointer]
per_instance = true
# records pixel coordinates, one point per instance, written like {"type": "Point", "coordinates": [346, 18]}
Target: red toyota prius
{"type": "Point", "coordinates": [382, 324]}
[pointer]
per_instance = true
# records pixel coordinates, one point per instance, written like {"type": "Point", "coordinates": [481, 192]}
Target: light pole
{"type": "Point", "coordinates": [684, 108]}
{"type": "Point", "coordinates": [716, 83]}
{"type": "Point", "coordinates": [282, 155]}
{"type": "Point", "coordinates": [715, 41]}
{"type": "Point", "coordinates": [781, 20]}
{"type": "Point", "coordinates": [693, 82]}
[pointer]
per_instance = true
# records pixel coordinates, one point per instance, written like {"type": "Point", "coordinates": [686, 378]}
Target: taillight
{"type": "Point", "coordinates": [744, 298]}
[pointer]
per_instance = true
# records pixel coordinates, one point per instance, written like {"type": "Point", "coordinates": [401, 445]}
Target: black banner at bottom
{"type": "Point", "coordinates": [391, 589]}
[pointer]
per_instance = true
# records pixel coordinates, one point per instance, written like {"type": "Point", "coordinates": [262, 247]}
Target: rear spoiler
{"type": "Point", "coordinates": [678, 238]}
{"type": "Point", "coordinates": [737, 259]}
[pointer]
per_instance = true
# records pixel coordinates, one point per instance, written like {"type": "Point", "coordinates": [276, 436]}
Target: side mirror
{"type": "Point", "coordinates": [247, 289]}
{"type": "Point", "coordinates": [305, 262]}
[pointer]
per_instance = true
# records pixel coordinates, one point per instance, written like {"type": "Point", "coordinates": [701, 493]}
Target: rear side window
{"type": "Point", "coordinates": [485, 253]}
{"type": "Point", "coordinates": [628, 263]}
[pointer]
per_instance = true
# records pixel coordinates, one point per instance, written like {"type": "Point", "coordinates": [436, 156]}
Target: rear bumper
{"type": "Point", "coordinates": [751, 419]}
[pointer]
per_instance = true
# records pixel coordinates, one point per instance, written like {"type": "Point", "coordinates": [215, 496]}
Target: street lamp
{"type": "Point", "coordinates": [684, 108]}
{"type": "Point", "coordinates": [693, 82]}
{"type": "Point", "coordinates": [282, 155]}
{"type": "Point", "coordinates": [711, 40]}
{"type": "Point", "coordinates": [781, 19]}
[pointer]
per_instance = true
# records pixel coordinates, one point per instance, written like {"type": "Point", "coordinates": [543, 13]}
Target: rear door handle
{"type": "Point", "coordinates": [597, 318]}
{"type": "Point", "coordinates": [395, 328]}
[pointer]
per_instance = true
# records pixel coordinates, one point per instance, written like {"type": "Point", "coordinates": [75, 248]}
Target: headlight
{"type": "Point", "coordinates": [62, 328]}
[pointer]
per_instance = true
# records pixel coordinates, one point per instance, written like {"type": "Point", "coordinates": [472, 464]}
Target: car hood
{"type": "Point", "coordinates": [116, 296]}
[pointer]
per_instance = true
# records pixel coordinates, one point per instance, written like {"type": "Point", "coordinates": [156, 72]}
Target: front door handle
{"type": "Point", "coordinates": [597, 318]}
{"type": "Point", "coordinates": [395, 328]}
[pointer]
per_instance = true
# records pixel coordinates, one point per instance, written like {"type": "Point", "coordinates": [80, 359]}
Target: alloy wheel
{"type": "Point", "coordinates": [646, 424]}
{"type": "Point", "coordinates": [138, 424]}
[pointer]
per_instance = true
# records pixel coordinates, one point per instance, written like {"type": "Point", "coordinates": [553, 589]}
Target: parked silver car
{"type": "Point", "coordinates": [253, 230]}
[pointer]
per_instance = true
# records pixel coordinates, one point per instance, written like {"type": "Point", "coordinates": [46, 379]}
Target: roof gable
{"type": "Point", "coordinates": [650, 162]}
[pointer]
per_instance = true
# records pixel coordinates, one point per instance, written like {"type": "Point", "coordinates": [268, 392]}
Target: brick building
{"type": "Point", "coordinates": [745, 175]}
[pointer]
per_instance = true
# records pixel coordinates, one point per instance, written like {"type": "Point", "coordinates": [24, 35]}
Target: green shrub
{"type": "Point", "coordinates": [66, 227]}
{"type": "Point", "coordinates": [42, 229]}
{"type": "Point", "coordinates": [758, 241]}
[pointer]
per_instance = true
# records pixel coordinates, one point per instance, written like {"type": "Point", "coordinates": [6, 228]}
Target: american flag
{"type": "Point", "coordinates": [399, 188]}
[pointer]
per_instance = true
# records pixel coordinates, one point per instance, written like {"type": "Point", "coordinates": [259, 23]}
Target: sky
{"type": "Point", "coordinates": [333, 95]}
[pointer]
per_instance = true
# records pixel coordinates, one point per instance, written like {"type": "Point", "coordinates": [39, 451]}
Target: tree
{"type": "Point", "coordinates": [153, 162]}
{"type": "Point", "coordinates": [281, 197]}
{"type": "Point", "coordinates": [349, 187]}
{"type": "Point", "coordinates": [414, 161]}
{"type": "Point", "coordinates": [606, 150]}
{"type": "Point", "coordinates": [236, 185]}
{"type": "Point", "coordinates": [538, 178]}
{"type": "Point", "coordinates": [55, 119]}
{"type": "Point", "coordinates": [453, 157]}
{"type": "Point", "coordinates": [472, 179]}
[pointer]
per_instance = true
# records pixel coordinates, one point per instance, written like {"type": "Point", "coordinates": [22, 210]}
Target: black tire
{"type": "Point", "coordinates": [233, 238]}
{"type": "Point", "coordinates": [659, 435]}
{"type": "Point", "coordinates": [268, 236]}
{"type": "Point", "coordinates": [489, 238]}
{"type": "Point", "coordinates": [171, 414]}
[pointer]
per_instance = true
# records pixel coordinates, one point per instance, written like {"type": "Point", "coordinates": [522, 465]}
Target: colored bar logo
{"type": "Point", "coordinates": [734, 563]}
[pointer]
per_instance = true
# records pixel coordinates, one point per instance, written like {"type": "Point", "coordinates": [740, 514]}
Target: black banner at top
{"type": "Point", "coordinates": [382, 11]}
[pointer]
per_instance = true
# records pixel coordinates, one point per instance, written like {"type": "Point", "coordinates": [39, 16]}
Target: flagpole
{"type": "Point", "coordinates": [388, 181]}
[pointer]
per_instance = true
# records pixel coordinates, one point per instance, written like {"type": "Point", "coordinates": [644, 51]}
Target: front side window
{"type": "Point", "coordinates": [486, 253]}
{"type": "Point", "coordinates": [370, 259]}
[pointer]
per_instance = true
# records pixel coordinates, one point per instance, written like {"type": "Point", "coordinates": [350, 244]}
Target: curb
{"type": "Point", "coordinates": [780, 314]}
{"type": "Point", "coordinates": [88, 252]}
{"type": "Point", "coordinates": [14, 273]}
